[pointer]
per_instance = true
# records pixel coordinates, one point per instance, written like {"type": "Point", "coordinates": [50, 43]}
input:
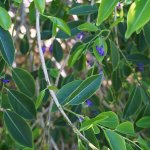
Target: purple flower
{"type": "Point", "coordinates": [80, 35]}
{"type": "Point", "coordinates": [81, 119]}
{"type": "Point", "coordinates": [140, 67]}
{"type": "Point", "coordinates": [119, 6]}
{"type": "Point", "coordinates": [101, 72]}
{"type": "Point", "coordinates": [51, 48]}
{"type": "Point", "coordinates": [89, 103]}
{"type": "Point", "coordinates": [44, 49]}
{"type": "Point", "coordinates": [5, 80]}
{"type": "Point", "coordinates": [100, 50]}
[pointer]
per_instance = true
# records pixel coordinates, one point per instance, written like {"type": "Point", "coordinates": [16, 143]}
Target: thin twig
{"type": "Point", "coordinates": [52, 93]}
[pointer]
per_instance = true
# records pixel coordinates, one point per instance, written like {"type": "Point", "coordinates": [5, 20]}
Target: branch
{"type": "Point", "coordinates": [52, 93]}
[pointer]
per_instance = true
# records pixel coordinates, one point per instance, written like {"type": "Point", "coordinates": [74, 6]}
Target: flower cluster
{"type": "Point", "coordinates": [100, 50]}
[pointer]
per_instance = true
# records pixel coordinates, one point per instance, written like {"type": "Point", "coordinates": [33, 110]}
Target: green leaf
{"type": "Point", "coordinates": [115, 141]}
{"type": "Point", "coordinates": [138, 16]}
{"type": "Point", "coordinates": [147, 33]}
{"type": "Point", "coordinates": [133, 103]}
{"type": "Point", "coordinates": [99, 42]}
{"type": "Point", "coordinates": [105, 9]}
{"type": "Point", "coordinates": [65, 92]}
{"type": "Point", "coordinates": [18, 128]}
{"type": "Point", "coordinates": [143, 143]}
{"type": "Point", "coordinates": [73, 28]}
{"type": "Point", "coordinates": [115, 56]}
{"type": "Point", "coordinates": [76, 55]}
{"type": "Point", "coordinates": [126, 128]}
{"type": "Point", "coordinates": [144, 122]}
{"type": "Point", "coordinates": [88, 27]}
{"type": "Point", "coordinates": [24, 81]}
{"type": "Point", "coordinates": [5, 20]}
{"type": "Point", "coordinates": [57, 51]}
{"type": "Point", "coordinates": [2, 62]}
{"type": "Point", "coordinates": [86, 89]}
{"type": "Point", "coordinates": [24, 45]}
{"type": "Point", "coordinates": [138, 58]}
{"type": "Point", "coordinates": [89, 134]}
{"type": "Point", "coordinates": [22, 104]}
{"type": "Point", "coordinates": [111, 121]}
{"type": "Point", "coordinates": [39, 99]}
{"type": "Point", "coordinates": [83, 10]}
{"type": "Point", "coordinates": [60, 24]}
{"type": "Point", "coordinates": [7, 46]}
{"type": "Point", "coordinates": [40, 5]}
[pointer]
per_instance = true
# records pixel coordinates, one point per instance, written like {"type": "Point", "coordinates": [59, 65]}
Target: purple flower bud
{"type": "Point", "coordinates": [5, 80]}
{"type": "Point", "coordinates": [44, 49]}
{"type": "Point", "coordinates": [119, 6]}
{"type": "Point", "coordinates": [51, 48]}
{"type": "Point", "coordinates": [89, 103]}
{"type": "Point", "coordinates": [100, 50]}
{"type": "Point", "coordinates": [81, 119]}
{"type": "Point", "coordinates": [140, 67]}
{"type": "Point", "coordinates": [101, 72]}
{"type": "Point", "coordinates": [80, 35]}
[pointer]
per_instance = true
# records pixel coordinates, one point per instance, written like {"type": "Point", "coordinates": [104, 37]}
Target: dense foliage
{"type": "Point", "coordinates": [74, 74]}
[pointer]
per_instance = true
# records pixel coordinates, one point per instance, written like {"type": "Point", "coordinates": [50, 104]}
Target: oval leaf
{"type": "Point", "coordinates": [115, 141]}
{"type": "Point", "coordinates": [133, 103]}
{"type": "Point", "coordinates": [88, 27]}
{"type": "Point", "coordinates": [105, 9]}
{"type": "Point", "coordinates": [7, 46]}
{"type": "Point", "coordinates": [22, 104]}
{"type": "Point", "coordinates": [83, 10]}
{"type": "Point", "coordinates": [5, 20]}
{"type": "Point", "coordinates": [115, 56]}
{"type": "Point", "coordinates": [126, 128]}
{"type": "Point", "coordinates": [138, 16]}
{"type": "Point", "coordinates": [18, 128]}
{"type": "Point", "coordinates": [24, 81]}
{"type": "Point", "coordinates": [39, 99]}
{"type": "Point", "coordinates": [144, 122]}
{"type": "Point", "coordinates": [86, 89]}
{"type": "Point", "coordinates": [60, 24]}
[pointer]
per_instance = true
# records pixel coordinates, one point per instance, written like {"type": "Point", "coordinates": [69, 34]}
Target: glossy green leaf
{"type": "Point", "coordinates": [39, 99]}
{"type": "Point", "coordinates": [60, 24]}
{"type": "Point", "coordinates": [138, 58]}
{"type": "Point", "coordinates": [40, 5]}
{"type": "Point", "coordinates": [83, 10]}
{"type": "Point", "coordinates": [57, 51]}
{"type": "Point", "coordinates": [66, 91]}
{"type": "Point", "coordinates": [99, 42]}
{"type": "Point", "coordinates": [89, 134]}
{"type": "Point", "coordinates": [134, 102]}
{"type": "Point", "coordinates": [88, 27]}
{"type": "Point", "coordinates": [24, 81]}
{"type": "Point", "coordinates": [86, 89]}
{"type": "Point", "coordinates": [111, 121]}
{"type": "Point", "coordinates": [18, 128]}
{"type": "Point", "coordinates": [115, 56]}
{"type": "Point", "coordinates": [73, 28]}
{"type": "Point", "coordinates": [24, 45]}
{"type": "Point", "coordinates": [22, 104]}
{"type": "Point", "coordinates": [105, 9]}
{"type": "Point", "coordinates": [126, 128]}
{"type": "Point", "coordinates": [75, 55]}
{"type": "Point", "coordinates": [7, 46]}
{"type": "Point", "coordinates": [115, 141]}
{"type": "Point", "coordinates": [143, 143]}
{"type": "Point", "coordinates": [5, 20]}
{"type": "Point", "coordinates": [2, 62]}
{"type": "Point", "coordinates": [147, 33]}
{"type": "Point", "coordinates": [144, 122]}
{"type": "Point", "coordinates": [138, 16]}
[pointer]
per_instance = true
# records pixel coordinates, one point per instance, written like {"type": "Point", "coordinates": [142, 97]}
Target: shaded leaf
{"type": "Point", "coordinates": [18, 128]}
